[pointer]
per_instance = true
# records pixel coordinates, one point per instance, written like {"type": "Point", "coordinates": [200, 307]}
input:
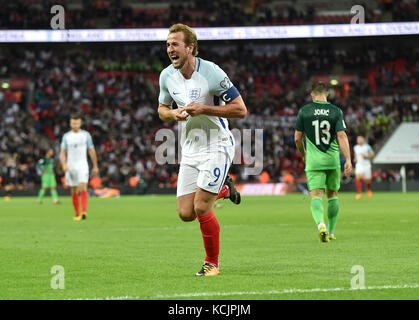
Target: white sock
{"type": "Point", "coordinates": [321, 224]}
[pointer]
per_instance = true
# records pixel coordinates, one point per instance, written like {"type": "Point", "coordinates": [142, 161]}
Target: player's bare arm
{"type": "Point", "coordinates": [166, 113]}
{"type": "Point", "coordinates": [344, 146]}
{"type": "Point", "coordinates": [93, 157]}
{"type": "Point", "coordinates": [369, 156]}
{"type": "Point", "coordinates": [233, 109]}
{"type": "Point", "coordinates": [298, 138]}
{"type": "Point", "coordinates": [63, 159]}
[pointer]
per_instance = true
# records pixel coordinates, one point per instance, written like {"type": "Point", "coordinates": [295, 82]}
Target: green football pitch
{"type": "Point", "coordinates": [136, 247]}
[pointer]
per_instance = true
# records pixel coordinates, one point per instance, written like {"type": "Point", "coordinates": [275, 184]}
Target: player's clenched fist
{"type": "Point", "coordinates": [179, 114]}
{"type": "Point", "coordinates": [194, 109]}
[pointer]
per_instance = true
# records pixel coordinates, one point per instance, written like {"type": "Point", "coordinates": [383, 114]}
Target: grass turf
{"type": "Point", "coordinates": [137, 248]}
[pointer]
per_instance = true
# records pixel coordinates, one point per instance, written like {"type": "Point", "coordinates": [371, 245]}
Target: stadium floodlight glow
{"type": "Point", "coordinates": [221, 33]}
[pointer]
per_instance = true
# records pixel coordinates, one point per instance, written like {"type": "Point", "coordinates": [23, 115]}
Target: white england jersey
{"type": "Point", "coordinates": [77, 144]}
{"type": "Point", "coordinates": [209, 85]}
{"type": "Point", "coordinates": [359, 150]}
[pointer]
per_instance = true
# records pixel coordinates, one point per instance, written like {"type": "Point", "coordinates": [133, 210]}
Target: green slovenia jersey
{"type": "Point", "coordinates": [46, 164]}
{"type": "Point", "coordinates": [320, 121]}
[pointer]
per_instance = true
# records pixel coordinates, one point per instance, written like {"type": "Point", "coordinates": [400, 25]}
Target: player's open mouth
{"type": "Point", "coordinates": [174, 58]}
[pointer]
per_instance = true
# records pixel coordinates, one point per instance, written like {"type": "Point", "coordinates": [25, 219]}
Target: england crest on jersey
{"type": "Point", "coordinates": [194, 94]}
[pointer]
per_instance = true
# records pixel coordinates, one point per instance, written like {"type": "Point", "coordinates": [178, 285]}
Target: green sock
{"type": "Point", "coordinates": [332, 214]}
{"type": "Point", "coordinates": [317, 210]}
{"type": "Point", "coordinates": [54, 195]}
{"type": "Point", "coordinates": [41, 194]}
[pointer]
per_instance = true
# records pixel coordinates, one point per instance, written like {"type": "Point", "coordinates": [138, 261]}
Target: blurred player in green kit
{"type": "Point", "coordinates": [46, 166]}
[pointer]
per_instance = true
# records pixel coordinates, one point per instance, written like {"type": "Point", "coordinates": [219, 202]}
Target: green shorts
{"type": "Point", "coordinates": [48, 181]}
{"type": "Point", "coordinates": [323, 179]}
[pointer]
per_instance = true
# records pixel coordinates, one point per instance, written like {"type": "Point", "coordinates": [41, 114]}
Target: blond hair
{"type": "Point", "coordinates": [190, 35]}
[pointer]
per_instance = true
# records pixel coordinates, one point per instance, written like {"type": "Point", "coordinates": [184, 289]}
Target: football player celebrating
{"type": "Point", "coordinates": [205, 98]}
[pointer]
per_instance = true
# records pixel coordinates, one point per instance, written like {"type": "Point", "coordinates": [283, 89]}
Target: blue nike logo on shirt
{"type": "Point", "coordinates": [175, 93]}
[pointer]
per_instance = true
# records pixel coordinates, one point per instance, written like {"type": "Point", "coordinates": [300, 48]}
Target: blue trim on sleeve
{"type": "Point", "coordinates": [198, 64]}
{"type": "Point", "coordinates": [230, 94]}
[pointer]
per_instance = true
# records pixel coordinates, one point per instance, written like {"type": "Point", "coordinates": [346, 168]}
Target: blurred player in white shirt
{"type": "Point", "coordinates": [363, 154]}
{"type": "Point", "coordinates": [74, 148]}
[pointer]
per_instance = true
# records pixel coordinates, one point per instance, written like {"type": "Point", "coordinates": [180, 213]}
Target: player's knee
{"type": "Point", "coordinates": [316, 193]}
{"type": "Point", "coordinates": [332, 194]}
{"type": "Point", "coordinates": [202, 209]}
{"type": "Point", "coordinates": [186, 215]}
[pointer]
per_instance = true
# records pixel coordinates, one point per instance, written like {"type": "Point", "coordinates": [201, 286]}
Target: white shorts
{"type": "Point", "coordinates": [364, 171]}
{"type": "Point", "coordinates": [207, 172]}
{"type": "Point", "coordinates": [73, 177]}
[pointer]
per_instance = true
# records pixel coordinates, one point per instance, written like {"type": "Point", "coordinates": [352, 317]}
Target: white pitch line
{"type": "Point", "coordinates": [270, 292]}
{"type": "Point", "coordinates": [285, 291]}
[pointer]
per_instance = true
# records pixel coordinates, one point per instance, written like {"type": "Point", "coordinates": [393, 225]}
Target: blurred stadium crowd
{"type": "Point", "coordinates": [116, 89]}
{"type": "Point", "coordinates": [31, 14]}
